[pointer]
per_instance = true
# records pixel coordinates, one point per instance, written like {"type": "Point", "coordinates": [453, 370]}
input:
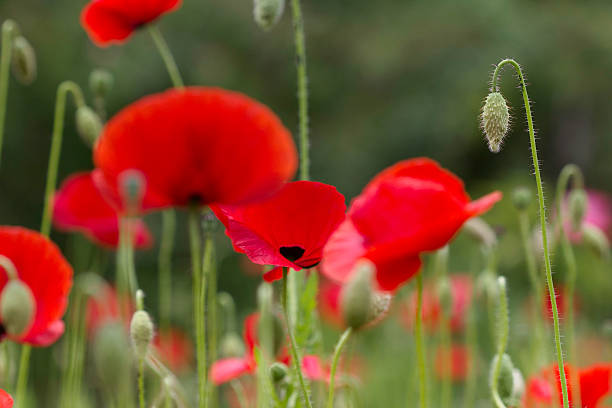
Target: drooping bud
{"type": "Point", "coordinates": [278, 372]}
{"type": "Point", "coordinates": [141, 332]}
{"type": "Point", "coordinates": [495, 120]}
{"type": "Point", "coordinates": [478, 229]}
{"type": "Point", "coordinates": [88, 124]}
{"type": "Point", "coordinates": [486, 285]}
{"type": "Point", "coordinates": [358, 295]}
{"type": "Point", "coordinates": [577, 207]}
{"type": "Point", "coordinates": [505, 380]}
{"type": "Point", "coordinates": [100, 82]}
{"type": "Point", "coordinates": [231, 346]}
{"type": "Point", "coordinates": [132, 186]}
{"type": "Point", "coordinates": [521, 198]}
{"type": "Point", "coordinates": [597, 240]}
{"type": "Point", "coordinates": [24, 61]}
{"type": "Point", "coordinates": [518, 387]}
{"type": "Point", "coordinates": [268, 12]}
{"type": "Point", "coordinates": [112, 356]}
{"type": "Point", "coordinates": [17, 307]}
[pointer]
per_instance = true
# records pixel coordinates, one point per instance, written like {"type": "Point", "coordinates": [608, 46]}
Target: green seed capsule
{"type": "Point", "coordinates": [268, 12]}
{"type": "Point", "coordinates": [18, 307]}
{"type": "Point", "coordinates": [141, 331]}
{"type": "Point", "coordinates": [521, 198]}
{"type": "Point", "coordinates": [495, 120]}
{"type": "Point", "coordinates": [88, 124]}
{"type": "Point", "coordinates": [24, 61]}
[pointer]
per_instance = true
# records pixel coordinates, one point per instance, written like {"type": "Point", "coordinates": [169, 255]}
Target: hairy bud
{"type": "Point", "coordinates": [24, 61]}
{"type": "Point", "coordinates": [505, 381]}
{"type": "Point", "coordinates": [141, 332]}
{"type": "Point", "coordinates": [101, 82]}
{"type": "Point", "coordinates": [17, 307]}
{"type": "Point", "coordinates": [521, 198]}
{"type": "Point", "coordinates": [495, 120]}
{"type": "Point", "coordinates": [88, 124]}
{"type": "Point", "coordinates": [518, 387]}
{"type": "Point", "coordinates": [268, 12]}
{"type": "Point", "coordinates": [358, 296]}
{"type": "Point", "coordinates": [597, 240]}
{"type": "Point", "coordinates": [577, 207]}
{"type": "Point", "coordinates": [278, 372]}
{"type": "Point", "coordinates": [482, 232]}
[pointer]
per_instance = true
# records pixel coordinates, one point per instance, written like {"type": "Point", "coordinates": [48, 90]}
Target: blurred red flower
{"type": "Point", "coordinates": [594, 383]}
{"type": "Point", "coordinates": [113, 21]}
{"type": "Point", "coordinates": [328, 301]}
{"type": "Point", "coordinates": [41, 266]}
{"type": "Point", "coordinates": [6, 401]}
{"type": "Point", "coordinates": [412, 207]}
{"type": "Point", "coordinates": [80, 206]}
{"type": "Point", "coordinates": [288, 229]}
{"type": "Point", "coordinates": [174, 348]}
{"type": "Point", "coordinates": [454, 363]}
{"type": "Point", "coordinates": [106, 306]}
{"type": "Point", "coordinates": [196, 146]}
{"type": "Point", "coordinates": [598, 214]}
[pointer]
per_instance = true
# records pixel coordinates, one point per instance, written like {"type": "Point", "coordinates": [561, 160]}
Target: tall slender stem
{"type": "Point", "coordinates": [295, 354]}
{"type": "Point", "coordinates": [166, 54]}
{"type": "Point", "coordinates": [332, 376]}
{"type": "Point", "coordinates": [502, 340]}
{"type": "Point", "coordinates": [536, 165]}
{"type": "Point", "coordinates": [141, 393]}
{"type": "Point", "coordinates": [420, 347]}
{"type": "Point", "coordinates": [208, 298]}
{"type": "Point", "coordinates": [8, 33]}
{"type": "Point", "coordinates": [300, 54]}
{"type": "Point", "coordinates": [165, 267]}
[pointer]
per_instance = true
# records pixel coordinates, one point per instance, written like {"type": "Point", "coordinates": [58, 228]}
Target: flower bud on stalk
{"type": "Point", "coordinates": [521, 198]}
{"type": "Point", "coordinates": [141, 332]}
{"type": "Point", "coordinates": [100, 83]}
{"type": "Point", "coordinates": [505, 381]}
{"type": "Point", "coordinates": [495, 120]}
{"type": "Point", "coordinates": [278, 372]}
{"type": "Point", "coordinates": [268, 12]}
{"type": "Point", "coordinates": [597, 240]}
{"type": "Point", "coordinates": [577, 207]}
{"type": "Point", "coordinates": [88, 124]}
{"type": "Point", "coordinates": [24, 61]}
{"type": "Point", "coordinates": [18, 307]}
{"type": "Point", "coordinates": [482, 232]}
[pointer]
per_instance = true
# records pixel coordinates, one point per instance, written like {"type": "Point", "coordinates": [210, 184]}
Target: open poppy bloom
{"type": "Point", "coordinates": [544, 390]}
{"type": "Point", "coordinates": [453, 364]}
{"type": "Point", "coordinates": [113, 21]}
{"type": "Point", "coordinates": [412, 207]}
{"type": "Point", "coordinates": [174, 348]}
{"type": "Point", "coordinates": [80, 206]}
{"type": "Point", "coordinates": [196, 146]}
{"type": "Point", "coordinates": [6, 401]}
{"type": "Point", "coordinates": [39, 265]}
{"type": "Point", "coordinates": [288, 229]}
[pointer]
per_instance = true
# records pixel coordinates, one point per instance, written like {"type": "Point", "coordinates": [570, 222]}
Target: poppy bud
{"type": "Point", "coordinates": [445, 295]}
{"type": "Point", "coordinates": [482, 232]}
{"type": "Point", "coordinates": [597, 240]}
{"type": "Point", "coordinates": [23, 61]}
{"type": "Point", "coordinates": [231, 346]}
{"type": "Point", "coordinates": [278, 372]}
{"type": "Point", "coordinates": [132, 188]}
{"type": "Point", "coordinates": [88, 124]}
{"type": "Point", "coordinates": [112, 357]}
{"type": "Point", "coordinates": [486, 285]}
{"type": "Point", "coordinates": [268, 12]}
{"type": "Point", "coordinates": [518, 387]}
{"type": "Point", "coordinates": [577, 207]}
{"type": "Point", "coordinates": [18, 306]}
{"type": "Point", "coordinates": [505, 380]}
{"type": "Point", "coordinates": [495, 120]}
{"type": "Point", "coordinates": [100, 82]}
{"type": "Point", "coordinates": [521, 198]}
{"type": "Point", "coordinates": [141, 331]}
{"type": "Point", "coordinates": [357, 296]}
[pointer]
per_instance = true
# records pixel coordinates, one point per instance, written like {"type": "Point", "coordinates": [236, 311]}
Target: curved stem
{"type": "Point", "coordinates": [166, 54]}
{"type": "Point", "coordinates": [300, 54]}
{"type": "Point", "coordinates": [337, 352]}
{"type": "Point", "coordinates": [502, 341]}
{"type": "Point", "coordinates": [536, 165]}
{"type": "Point", "coordinates": [420, 347]}
{"type": "Point", "coordinates": [295, 355]}
{"type": "Point", "coordinates": [165, 267]}
{"type": "Point", "coordinates": [9, 28]}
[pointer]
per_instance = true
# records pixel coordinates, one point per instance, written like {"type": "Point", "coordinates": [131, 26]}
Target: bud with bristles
{"type": "Point", "coordinates": [577, 207]}
{"type": "Point", "coordinates": [88, 124]}
{"type": "Point", "coordinates": [597, 240]}
{"type": "Point", "coordinates": [278, 372]}
{"type": "Point", "coordinates": [518, 387]}
{"type": "Point", "coordinates": [357, 296]}
{"type": "Point", "coordinates": [268, 12]}
{"type": "Point", "coordinates": [100, 82]}
{"type": "Point", "coordinates": [24, 61]}
{"type": "Point", "coordinates": [521, 198]}
{"type": "Point", "coordinates": [17, 307]}
{"type": "Point", "coordinates": [495, 120]}
{"type": "Point", "coordinates": [505, 380]}
{"type": "Point", "coordinates": [141, 331]}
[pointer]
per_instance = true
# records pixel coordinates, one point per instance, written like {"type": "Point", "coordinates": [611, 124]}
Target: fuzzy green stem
{"type": "Point", "coordinates": [536, 165]}
{"type": "Point", "coordinates": [420, 346]}
{"type": "Point", "coordinates": [22, 379]}
{"type": "Point", "coordinates": [165, 267]}
{"type": "Point", "coordinates": [502, 340]}
{"type": "Point", "coordinates": [337, 352]}
{"type": "Point", "coordinates": [141, 393]}
{"type": "Point", "coordinates": [9, 28]}
{"type": "Point", "coordinates": [295, 355]}
{"type": "Point", "coordinates": [300, 55]}
{"type": "Point", "coordinates": [209, 299]}
{"type": "Point", "coordinates": [441, 271]}
{"type": "Point", "coordinates": [166, 54]}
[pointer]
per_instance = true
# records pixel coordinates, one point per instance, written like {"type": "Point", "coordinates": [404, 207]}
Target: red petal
{"type": "Point", "coordinates": [229, 369]}
{"type": "Point", "coordinates": [483, 204]}
{"type": "Point", "coordinates": [343, 249]}
{"type": "Point", "coordinates": [174, 348]}
{"type": "Point", "coordinates": [313, 369]}
{"type": "Point", "coordinates": [204, 145]}
{"type": "Point", "coordinates": [274, 275]}
{"type": "Point", "coordinates": [6, 401]}
{"type": "Point", "coordinates": [250, 332]}
{"type": "Point", "coordinates": [594, 384]}
{"type": "Point", "coordinates": [393, 272]}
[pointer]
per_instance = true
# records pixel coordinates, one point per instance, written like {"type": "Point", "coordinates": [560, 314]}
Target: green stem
{"type": "Point", "coordinates": [441, 271]}
{"type": "Point", "coordinates": [209, 300]}
{"type": "Point", "coordinates": [240, 394]}
{"type": "Point", "coordinates": [300, 54]}
{"type": "Point", "coordinates": [295, 355]}
{"type": "Point", "coordinates": [166, 54]}
{"type": "Point", "coordinates": [536, 165]}
{"type": "Point", "coordinates": [332, 376]}
{"type": "Point", "coordinates": [9, 28]}
{"type": "Point", "coordinates": [141, 393]}
{"type": "Point", "coordinates": [502, 341]}
{"type": "Point", "coordinates": [420, 347]}
{"type": "Point", "coordinates": [22, 379]}
{"type": "Point", "coordinates": [165, 267]}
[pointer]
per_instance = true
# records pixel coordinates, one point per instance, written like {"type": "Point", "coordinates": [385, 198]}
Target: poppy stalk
{"type": "Point", "coordinates": [502, 340]}
{"type": "Point", "coordinates": [420, 347]}
{"type": "Point", "coordinates": [337, 353]}
{"type": "Point", "coordinates": [9, 27]}
{"type": "Point", "coordinates": [542, 210]}
{"type": "Point", "coordinates": [441, 267]}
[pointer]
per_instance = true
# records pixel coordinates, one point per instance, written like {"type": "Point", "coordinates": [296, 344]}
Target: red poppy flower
{"type": "Point", "coordinates": [196, 145]}
{"type": "Point", "coordinates": [113, 21]}
{"type": "Point", "coordinates": [329, 296]}
{"type": "Point", "coordinates": [594, 383]}
{"type": "Point", "coordinates": [175, 349]}
{"type": "Point", "coordinates": [288, 229]}
{"type": "Point", "coordinates": [412, 207]}
{"type": "Point", "coordinates": [79, 206]}
{"type": "Point", "coordinates": [454, 364]}
{"type": "Point", "coordinates": [6, 401]}
{"type": "Point", "coordinates": [40, 266]}
{"type": "Point", "coordinates": [106, 307]}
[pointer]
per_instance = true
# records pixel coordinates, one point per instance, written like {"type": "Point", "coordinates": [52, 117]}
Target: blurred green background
{"type": "Point", "coordinates": [389, 80]}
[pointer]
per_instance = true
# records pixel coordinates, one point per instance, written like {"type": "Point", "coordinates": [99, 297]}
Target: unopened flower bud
{"type": "Point", "coordinates": [518, 387]}
{"type": "Point", "coordinates": [112, 357]}
{"type": "Point", "coordinates": [445, 296]}
{"type": "Point", "coordinates": [482, 232]}
{"type": "Point", "coordinates": [141, 331]}
{"type": "Point", "coordinates": [495, 120]}
{"type": "Point", "coordinates": [521, 198]}
{"type": "Point", "coordinates": [23, 61]}
{"type": "Point", "coordinates": [100, 82]}
{"type": "Point", "coordinates": [577, 207]}
{"type": "Point", "coordinates": [381, 302]}
{"type": "Point", "coordinates": [505, 380]}
{"type": "Point", "coordinates": [17, 307]}
{"type": "Point", "coordinates": [597, 240]}
{"type": "Point", "coordinates": [231, 346]}
{"type": "Point", "coordinates": [132, 186]}
{"type": "Point", "coordinates": [278, 372]}
{"type": "Point", "coordinates": [268, 12]}
{"type": "Point", "coordinates": [357, 296]}
{"type": "Point", "coordinates": [486, 285]}
{"type": "Point", "coordinates": [88, 124]}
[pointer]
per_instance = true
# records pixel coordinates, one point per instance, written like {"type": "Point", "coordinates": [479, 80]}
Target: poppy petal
{"type": "Point", "coordinates": [342, 251]}
{"type": "Point", "coordinates": [274, 275]}
{"type": "Point", "coordinates": [229, 369]}
{"type": "Point", "coordinates": [6, 401]}
{"type": "Point", "coordinates": [313, 368]}
{"type": "Point", "coordinates": [594, 384]}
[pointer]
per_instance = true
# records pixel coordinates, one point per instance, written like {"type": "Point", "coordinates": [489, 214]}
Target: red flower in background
{"type": "Point", "coordinates": [454, 363]}
{"type": "Point", "coordinates": [113, 21]}
{"type": "Point", "coordinates": [174, 348]}
{"type": "Point", "coordinates": [106, 307]}
{"type": "Point", "coordinates": [288, 229]}
{"type": "Point", "coordinates": [412, 207]}
{"type": "Point", "coordinates": [594, 383]}
{"type": "Point", "coordinates": [598, 214]}
{"type": "Point", "coordinates": [328, 301]}
{"type": "Point", "coordinates": [41, 267]}
{"type": "Point", "coordinates": [6, 401]}
{"type": "Point", "coordinates": [196, 145]}
{"type": "Point", "coordinates": [80, 206]}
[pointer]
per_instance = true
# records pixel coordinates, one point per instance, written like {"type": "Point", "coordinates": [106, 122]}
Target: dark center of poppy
{"type": "Point", "coordinates": [195, 200]}
{"type": "Point", "coordinates": [2, 331]}
{"type": "Point", "coordinates": [292, 253]}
